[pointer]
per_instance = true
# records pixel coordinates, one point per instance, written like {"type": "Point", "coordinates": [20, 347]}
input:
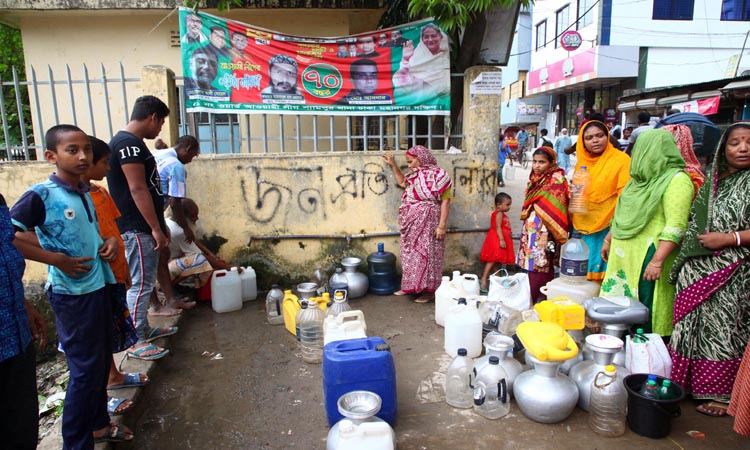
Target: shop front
{"type": "Point", "coordinates": [588, 81]}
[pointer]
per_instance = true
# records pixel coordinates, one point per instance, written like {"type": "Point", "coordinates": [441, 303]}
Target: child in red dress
{"type": "Point", "coordinates": [498, 245]}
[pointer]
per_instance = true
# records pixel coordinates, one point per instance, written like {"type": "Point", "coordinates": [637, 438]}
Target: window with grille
{"type": "Point", "coordinates": [735, 10]}
{"type": "Point", "coordinates": [562, 18]}
{"type": "Point", "coordinates": [541, 34]}
{"type": "Point", "coordinates": [673, 10]}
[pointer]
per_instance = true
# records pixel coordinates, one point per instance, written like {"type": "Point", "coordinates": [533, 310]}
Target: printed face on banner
{"type": "Point", "coordinates": [231, 66]}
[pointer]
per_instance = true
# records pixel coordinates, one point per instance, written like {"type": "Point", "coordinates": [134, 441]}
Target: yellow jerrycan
{"type": "Point", "coordinates": [562, 311]}
{"type": "Point", "coordinates": [547, 341]}
{"type": "Point", "coordinates": [291, 306]}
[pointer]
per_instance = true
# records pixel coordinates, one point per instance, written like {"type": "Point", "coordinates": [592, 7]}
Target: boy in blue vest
{"type": "Point", "coordinates": [62, 214]}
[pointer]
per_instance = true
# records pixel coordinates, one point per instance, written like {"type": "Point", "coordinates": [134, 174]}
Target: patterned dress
{"type": "Point", "coordinates": [418, 218]}
{"type": "Point", "coordinates": [712, 306]}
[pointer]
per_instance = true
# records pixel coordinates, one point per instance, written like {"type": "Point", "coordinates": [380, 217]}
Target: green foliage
{"type": "Point", "coordinates": [453, 15]}
{"type": "Point", "coordinates": [11, 55]}
{"type": "Point", "coordinates": [221, 5]}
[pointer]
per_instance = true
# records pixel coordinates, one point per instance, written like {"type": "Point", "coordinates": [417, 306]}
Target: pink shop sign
{"type": "Point", "coordinates": [576, 65]}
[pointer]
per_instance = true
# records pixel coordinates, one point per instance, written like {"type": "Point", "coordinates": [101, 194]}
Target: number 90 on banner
{"type": "Point", "coordinates": [322, 80]}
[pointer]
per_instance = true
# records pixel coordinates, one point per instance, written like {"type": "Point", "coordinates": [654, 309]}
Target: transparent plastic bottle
{"type": "Point", "coordinates": [650, 390]}
{"type": "Point", "coordinates": [491, 397]}
{"type": "Point", "coordinates": [608, 404]}
{"type": "Point", "coordinates": [310, 333]}
{"type": "Point", "coordinates": [338, 281]}
{"type": "Point", "coordinates": [665, 391]}
{"type": "Point", "coordinates": [274, 300]}
{"type": "Point", "coordinates": [574, 259]}
{"type": "Point", "coordinates": [458, 391]}
{"type": "Point", "coordinates": [298, 318]}
{"type": "Point", "coordinates": [579, 203]}
{"type": "Point", "coordinates": [340, 304]}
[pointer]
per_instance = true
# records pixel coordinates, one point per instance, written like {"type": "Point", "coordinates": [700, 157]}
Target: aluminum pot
{"type": "Point", "coordinates": [544, 394]}
{"type": "Point", "coordinates": [358, 282]}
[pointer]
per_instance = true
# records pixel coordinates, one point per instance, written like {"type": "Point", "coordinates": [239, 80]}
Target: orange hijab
{"type": "Point", "coordinates": [609, 172]}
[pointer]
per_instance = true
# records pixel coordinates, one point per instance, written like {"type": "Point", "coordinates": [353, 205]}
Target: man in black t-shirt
{"type": "Point", "coordinates": [135, 187]}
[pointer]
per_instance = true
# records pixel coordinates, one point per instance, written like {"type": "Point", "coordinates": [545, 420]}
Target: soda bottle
{"type": "Point", "coordinates": [665, 391]}
{"type": "Point", "coordinates": [650, 390]}
{"type": "Point", "coordinates": [578, 191]}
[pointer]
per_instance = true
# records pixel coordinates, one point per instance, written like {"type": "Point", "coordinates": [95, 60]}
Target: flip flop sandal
{"type": "Point", "coordinates": [423, 299]}
{"type": "Point", "coordinates": [114, 434]}
{"type": "Point", "coordinates": [160, 332]}
{"type": "Point", "coordinates": [400, 293]}
{"type": "Point", "coordinates": [706, 408]}
{"type": "Point", "coordinates": [139, 353]}
{"type": "Point", "coordinates": [131, 380]}
{"type": "Point", "coordinates": [114, 403]}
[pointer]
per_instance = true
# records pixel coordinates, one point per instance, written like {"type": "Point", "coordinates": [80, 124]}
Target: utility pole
{"type": "Point", "coordinates": [739, 59]}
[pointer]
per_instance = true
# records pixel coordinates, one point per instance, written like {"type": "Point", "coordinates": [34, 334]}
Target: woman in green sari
{"type": "Point", "coordinates": [712, 306]}
{"type": "Point", "coordinates": [649, 223]}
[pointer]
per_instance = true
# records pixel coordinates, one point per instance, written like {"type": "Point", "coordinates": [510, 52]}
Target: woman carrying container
{"type": "Point", "coordinates": [422, 219]}
{"type": "Point", "coordinates": [649, 223]}
{"type": "Point", "coordinates": [545, 220]}
{"type": "Point", "coordinates": [608, 170]}
{"type": "Point", "coordinates": [712, 271]}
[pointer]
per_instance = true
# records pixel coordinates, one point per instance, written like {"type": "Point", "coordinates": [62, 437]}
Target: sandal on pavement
{"type": "Point", "coordinates": [713, 409]}
{"type": "Point", "coordinates": [160, 332]}
{"type": "Point", "coordinates": [117, 406]}
{"type": "Point", "coordinates": [131, 380]}
{"type": "Point", "coordinates": [399, 293]}
{"type": "Point", "coordinates": [114, 433]}
{"type": "Point", "coordinates": [139, 353]}
{"type": "Point", "coordinates": [423, 299]}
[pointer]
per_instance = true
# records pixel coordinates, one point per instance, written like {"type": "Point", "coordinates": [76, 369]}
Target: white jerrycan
{"type": "Point", "coordinates": [226, 291]}
{"type": "Point", "coordinates": [343, 326]}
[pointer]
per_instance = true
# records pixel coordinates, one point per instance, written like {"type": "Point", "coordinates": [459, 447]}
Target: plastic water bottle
{"type": "Point", "coordinates": [650, 390]}
{"type": "Point", "coordinates": [640, 338]}
{"type": "Point", "coordinates": [574, 259]}
{"type": "Point", "coordinates": [491, 397]}
{"type": "Point", "coordinates": [340, 304]}
{"type": "Point", "coordinates": [608, 404]}
{"type": "Point", "coordinates": [298, 319]}
{"type": "Point", "coordinates": [274, 300]}
{"type": "Point", "coordinates": [310, 332]}
{"type": "Point", "coordinates": [458, 391]}
{"type": "Point", "coordinates": [578, 191]}
{"type": "Point", "coordinates": [338, 281]}
{"type": "Point", "coordinates": [665, 391]}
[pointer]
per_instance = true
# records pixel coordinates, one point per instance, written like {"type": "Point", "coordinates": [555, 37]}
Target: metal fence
{"type": "Point", "coordinates": [100, 104]}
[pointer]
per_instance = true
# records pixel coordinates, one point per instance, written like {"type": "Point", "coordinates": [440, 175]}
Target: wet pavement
{"type": "Point", "coordinates": [236, 382]}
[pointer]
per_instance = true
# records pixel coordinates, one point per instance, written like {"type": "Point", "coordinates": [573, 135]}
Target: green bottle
{"type": "Point", "coordinates": [665, 391]}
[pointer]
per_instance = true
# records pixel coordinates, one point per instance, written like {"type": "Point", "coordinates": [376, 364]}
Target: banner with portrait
{"type": "Point", "coordinates": [230, 66]}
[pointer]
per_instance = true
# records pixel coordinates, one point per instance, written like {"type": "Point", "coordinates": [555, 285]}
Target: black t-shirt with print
{"type": "Point", "coordinates": [130, 149]}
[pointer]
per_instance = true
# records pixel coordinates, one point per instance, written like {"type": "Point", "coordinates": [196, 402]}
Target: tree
{"type": "Point", "coordinates": [464, 21]}
{"type": "Point", "coordinates": [11, 55]}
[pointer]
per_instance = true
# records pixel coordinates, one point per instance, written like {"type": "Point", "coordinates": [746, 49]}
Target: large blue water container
{"type": "Point", "coordinates": [359, 364]}
{"type": "Point", "coordinates": [381, 272]}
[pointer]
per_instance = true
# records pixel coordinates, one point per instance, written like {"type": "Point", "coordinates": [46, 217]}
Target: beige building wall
{"type": "Point", "coordinates": [64, 41]}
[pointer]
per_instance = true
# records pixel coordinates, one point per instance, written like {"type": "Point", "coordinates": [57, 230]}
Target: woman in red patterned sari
{"type": "Point", "coordinates": [422, 219]}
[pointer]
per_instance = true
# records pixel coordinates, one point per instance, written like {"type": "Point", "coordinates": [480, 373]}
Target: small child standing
{"type": "Point", "coordinates": [61, 212]}
{"type": "Point", "coordinates": [498, 244]}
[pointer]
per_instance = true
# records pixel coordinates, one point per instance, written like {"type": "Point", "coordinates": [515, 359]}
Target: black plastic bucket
{"type": "Point", "coordinates": [649, 417]}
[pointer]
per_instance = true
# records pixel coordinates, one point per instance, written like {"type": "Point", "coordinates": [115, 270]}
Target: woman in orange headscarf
{"type": "Point", "coordinates": [608, 169]}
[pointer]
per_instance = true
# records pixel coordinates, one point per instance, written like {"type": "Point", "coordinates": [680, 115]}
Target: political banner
{"type": "Point", "coordinates": [229, 66]}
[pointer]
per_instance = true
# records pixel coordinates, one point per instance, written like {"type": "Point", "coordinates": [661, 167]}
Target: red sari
{"type": "Point", "coordinates": [418, 217]}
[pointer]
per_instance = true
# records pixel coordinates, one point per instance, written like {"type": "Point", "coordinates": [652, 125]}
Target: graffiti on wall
{"type": "Point", "coordinates": [277, 193]}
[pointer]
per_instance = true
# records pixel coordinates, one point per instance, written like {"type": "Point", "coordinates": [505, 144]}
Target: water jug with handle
{"type": "Point", "coordinates": [338, 281]}
{"type": "Point", "coordinates": [226, 291]}
{"type": "Point", "coordinates": [609, 400]}
{"type": "Point", "coordinates": [444, 295]}
{"type": "Point", "coordinates": [360, 429]}
{"type": "Point", "coordinates": [495, 344]}
{"type": "Point", "coordinates": [574, 259]}
{"type": "Point", "coordinates": [381, 272]}
{"type": "Point", "coordinates": [470, 284]}
{"type": "Point", "coordinates": [274, 300]}
{"type": "Point", "coordinates": [340, 304]}
{"type": "Point", "coordinates": [249, 283]}
{"type": "Point", "coordinates": [491, 397]}
{"type": "Point", "coordinates": [310, 332]}
{"type": "Point", "coordinates": [346, 325]}
{"type": "Point", "coordinates": [291, 306]}
{"type": "Point", "coordinates": [458, 390]}
{"type": "Point", "coordinates": [603, 348]}
{"type": "Point", "coordinates": [463, 328]}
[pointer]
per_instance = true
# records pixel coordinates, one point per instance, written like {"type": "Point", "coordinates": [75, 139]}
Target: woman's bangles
{"type": "Point", "coordinates": [737, 238]}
